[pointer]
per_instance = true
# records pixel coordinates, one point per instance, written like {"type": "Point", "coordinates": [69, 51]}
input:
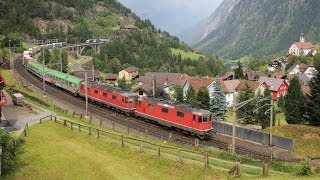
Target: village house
{"type": "Point", "coordinates": [301, 68]}
{"type": "Point", "coordinates": [302, 47]}
{"type": "Point", "coordinates": [197, 83]}
{"type": "Point", "coordinates": [91, 75]}
{"type": "Point", "coordinates": [129, 73]}
{"type": "Point", "coordinates": [274, 64]}
{"type": "Point", "coordinates": [277, 87]}
{"type": "Point", "coordinates": [253, 85]}
{"type": "Point", "coordinates": [110, 77]}
{"type": "Point", "coordinates": [253, 75]}
{"type": "Point", "coordinates": [164, 82]}
{"type": "Point", "coordinates": [228, 76]}
{"type": "Point", "coordinates": [229, 88]}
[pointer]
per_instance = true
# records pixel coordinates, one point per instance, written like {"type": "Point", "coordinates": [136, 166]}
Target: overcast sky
{"type": "Point", "coordinates": [173, 16]}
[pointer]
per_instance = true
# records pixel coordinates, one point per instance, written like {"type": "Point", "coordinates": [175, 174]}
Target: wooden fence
{"type": "Point", "coordinates": [160, 150]}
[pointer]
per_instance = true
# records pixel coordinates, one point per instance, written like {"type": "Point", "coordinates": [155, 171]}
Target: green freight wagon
{"type": "Point", "coordinates": [57, 78]}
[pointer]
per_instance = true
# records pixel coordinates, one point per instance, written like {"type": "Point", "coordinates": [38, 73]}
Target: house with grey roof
{"type": "Point", "coordinates": [277, 87]}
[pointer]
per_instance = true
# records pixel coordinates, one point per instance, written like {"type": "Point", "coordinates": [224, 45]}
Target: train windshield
{"type": "Point", "coordinates": [204, 119]}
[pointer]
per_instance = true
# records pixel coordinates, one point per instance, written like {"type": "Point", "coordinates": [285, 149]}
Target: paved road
{"type": "Point", "coordinates": [19, 116]}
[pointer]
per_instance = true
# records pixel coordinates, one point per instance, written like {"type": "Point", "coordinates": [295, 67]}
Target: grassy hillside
{"type": "Point", "coordinates": [186, 54]}
{"type": "Point", "coordinates": [73, 155]}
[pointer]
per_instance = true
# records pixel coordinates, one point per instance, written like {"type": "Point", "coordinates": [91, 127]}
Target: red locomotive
{"type": "Point", "coordinates": [180, 116]}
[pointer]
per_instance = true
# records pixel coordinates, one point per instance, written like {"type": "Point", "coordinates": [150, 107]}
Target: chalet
{"type": "Point", "coordinates": [276, 86]}
{"type": "Point", "coordinates": [91, 75]}
{"type": "Point", "coordinates": [228, 76]}
{"type": "Point", "coordinates": [301, 68]}
{"type": "Point", "coordinates": [110, 77]}
{"type": "Point", "coordinates": [253, 75]}
{"type": "Point", "coordinates": [164, 82]}
{"type": "Point", "coordinates": [302, 47]}
{"type": "Point", "coordinates": [251, 84]}
{"type": "Point", "coordinates": [229, 88]}
{"type": "Point", "coordinates": [129, 74]}
{"type": "Point", "coordinates": [197, 83]}
{"type": "Point", "coordinates": [274, 65]}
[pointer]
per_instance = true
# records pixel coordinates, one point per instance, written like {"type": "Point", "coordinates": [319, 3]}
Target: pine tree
{"type": "Point", "coordinates": [178, 93]}
{"type": "Point", "coordinates": [218, 105]}
{"type": "Point", "coordinates": [203, 98]}
{"type": "Point", "coordinates": [64, 58]}
{"type": "Point", "coordinates": [191, 96]}
{"type": "Point", "coordinates": [246, 113]}
{"type": "Point", "coordinates": [313, 103]}
{"type": "Point", "coordinates": [238, 73]}
{"type": "Point", "coordinates": [263, 108]}
{"type": "Point", "coordinates": [294, 103]}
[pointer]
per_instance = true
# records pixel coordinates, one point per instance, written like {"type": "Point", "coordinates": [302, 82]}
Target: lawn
{"type": "Point", "coordinates": [55, 152]}
{"type": "Point", "coordinates": [185, 54]}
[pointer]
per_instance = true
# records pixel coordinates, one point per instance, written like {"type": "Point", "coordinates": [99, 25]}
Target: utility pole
{"type": "Point", "coordinates": [44, 82]}
{"type": "Point", "coordinates": [85, 81]}
{"type": "Point", "coordinates": [234, 117]}
{"type": "Point", "coordinates": [271, 121]}
{"type": "Point", "coordinates": [92, 71]}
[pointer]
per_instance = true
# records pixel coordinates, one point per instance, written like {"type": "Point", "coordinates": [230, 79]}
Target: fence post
{"type": "Point", "coordinates": [170, 137]}
{"type": "Point", "coordinates": [0, 159]}
{"type": "Point", "coordinates": [79, 127]}
{"type": "Point", "coordinates": [55, 119]}
{"type": "Point", "coordinates": [196, 142]}
{"type": "Point", "coordinates": [90, 120]}
{"type": "Point", "coordinates": [265, 168]}
{"type": "Point", "coordinates": [113, 126]}
{"type": "Point", "coordinates": [158, 151]}
{"type": "Point", "coordinates": [50, 117]}
{"type": "Point", "coordinates": [122, 142]}
{"type": "Point", "coordinates": [146, 133]}
{"type": "Point", "coordinates": [128, 129]}
{"type": "Point", "coordinates": [98, 133]}
{"type": "Point", "coordinates": [73, 113]}
{"type": "Point", "coordinates": [40, 121]}
{"type": "Point", "coordinates": [25, 132]}
{"type": "Point", "coordinates": [206, 161]}
{"type": "Point", "coordinates": [27, 126]}
{"type": "Point", "coordinates": [71, 125]}
{"type": "Point", "coordinates": [179, 154]}
{"type": "Point", "coordinates": [100, 122]}
{"type": "Point", "coordinates": [65, 122]}
{"type": "Point", "coordinates": [141, 146]}
{"type": "Point", "coordinates": [81, 116]}
{"type": "Point", "coordinates": [89, 130]}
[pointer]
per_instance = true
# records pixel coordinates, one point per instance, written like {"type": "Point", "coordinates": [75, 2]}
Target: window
{"type": "Point", "coordinates": [180, 114]}
{"type": "Point", "coordinates": [151, 106]}
{"type": "Point", "coordinates": [194, 117]}
{"type": "Point", "coordinates": [140, 93]}
{"type": "Point", "coordinates": [204, 119]}
{"type": "Point", "coordinates": [96, 91]}
{"type": "Point", "coordinates": [200, 119]}
{"type": "Point", "coordinates": [165, 110]}
{"type": "Point", "coordinates": [104, 94]}
{"type": "Point", "coordinates": [114, 97]}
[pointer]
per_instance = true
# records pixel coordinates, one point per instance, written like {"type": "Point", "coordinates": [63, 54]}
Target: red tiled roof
{"type": "Point", "coordinates": [304, 45]}
{"type": "Point", "coordinates": [229, 86]}
{"type": "Point", "coordinates": [199, 82]}
{"type": "Point", "coordinates": [252, 85]}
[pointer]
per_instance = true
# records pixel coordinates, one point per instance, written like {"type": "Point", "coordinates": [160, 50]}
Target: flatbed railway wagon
{"type": "Point", "coordinates": [180, 116]}
{"type": "Point", "coordinates": [113, 97]}
{"type": "Point", "coordinates": [64, 81]}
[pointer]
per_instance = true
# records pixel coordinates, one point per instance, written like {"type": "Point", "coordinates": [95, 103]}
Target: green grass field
{"type": "Point", "coordinates": [55, 152]}
{"type": "Point", "coordinates": [185, 55]}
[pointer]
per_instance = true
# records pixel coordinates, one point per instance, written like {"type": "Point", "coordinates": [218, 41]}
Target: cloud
{"type": "Point", "coordinates": [173, 15]}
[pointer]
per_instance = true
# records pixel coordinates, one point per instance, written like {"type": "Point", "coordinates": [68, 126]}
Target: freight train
{"type": "Point", "coordinates": [170, 114]}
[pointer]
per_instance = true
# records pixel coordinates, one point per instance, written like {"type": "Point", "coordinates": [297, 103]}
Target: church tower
{"type": "Point", "coordinates": [302, 38]}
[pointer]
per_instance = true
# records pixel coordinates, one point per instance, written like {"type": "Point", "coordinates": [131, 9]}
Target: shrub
{"type": "Point", "coordinates": [305, 169]}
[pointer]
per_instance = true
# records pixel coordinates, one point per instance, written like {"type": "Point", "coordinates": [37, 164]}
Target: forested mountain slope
{"type": "Point", "coordinates": [263, 28]}
{"type": "Point", "coordinates": [133, 42]}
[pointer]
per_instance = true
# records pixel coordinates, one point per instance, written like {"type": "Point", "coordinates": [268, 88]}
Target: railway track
{"type": "Point", "coordinates": [107, 115]}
